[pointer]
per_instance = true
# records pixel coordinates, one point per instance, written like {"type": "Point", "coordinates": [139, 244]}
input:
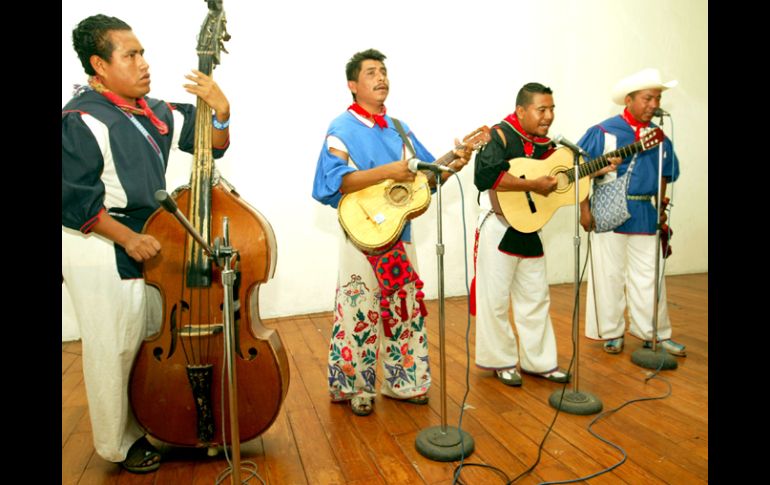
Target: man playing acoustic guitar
{"type": "Point", "coordinates": [623, 260]}
{"type": "Point", "coordinates": [363, 147]}
{"type": "Point", "coordinates": [509, 263]}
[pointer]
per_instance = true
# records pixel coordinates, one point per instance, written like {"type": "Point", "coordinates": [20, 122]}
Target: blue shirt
{"type": "Point", "coordinates": [644, 177]}
{"type": "Point", "coordinates": [130, 168]}
{"type": "Point", "coordinates": [368, 147]}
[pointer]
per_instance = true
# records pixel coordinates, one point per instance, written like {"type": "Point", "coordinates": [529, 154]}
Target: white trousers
{"type": "Point", "coordinates": [112, 317]}
{"type": "Point", "coordinates": [499, 278]}
{"type": "Point", "coordinates": [621, 272]}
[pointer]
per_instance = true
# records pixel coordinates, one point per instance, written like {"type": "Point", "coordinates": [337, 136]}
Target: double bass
{"type": "Point", "coordinates": [175, 387]}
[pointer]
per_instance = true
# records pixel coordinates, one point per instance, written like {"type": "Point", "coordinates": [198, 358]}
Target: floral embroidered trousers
{"type": "Point", "coordinates": [358, 338]}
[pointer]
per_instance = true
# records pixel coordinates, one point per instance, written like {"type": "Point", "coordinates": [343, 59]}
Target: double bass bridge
{"type": "Point", "coordinates": [201, 330]}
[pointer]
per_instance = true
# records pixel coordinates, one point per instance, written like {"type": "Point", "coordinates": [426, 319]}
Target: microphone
{"type": "Point", "coordinates": [170, 205]}
{"type": "Point", "coordinates": [576, 149]}
{"type": "Point", "coordinates": [415, 165]}
{"type": "Point", "coordinates": [166, 201]}
{"type": "Point", "coordinates": [660, 112]}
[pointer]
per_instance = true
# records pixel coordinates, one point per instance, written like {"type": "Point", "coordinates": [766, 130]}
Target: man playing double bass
{"type": "Point", "coordinates": [115, 148]}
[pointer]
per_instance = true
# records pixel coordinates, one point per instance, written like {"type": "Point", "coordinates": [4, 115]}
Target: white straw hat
{"type": "Point", "coordinates": [645, 79]}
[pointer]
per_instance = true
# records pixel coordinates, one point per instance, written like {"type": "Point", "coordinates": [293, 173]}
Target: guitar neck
{"type": "Point", "coordinates": [600, 162]}
{"type": "Point", "coordinates": [475, 140]}
{"type": "Point", "coordinates": [448, 157]}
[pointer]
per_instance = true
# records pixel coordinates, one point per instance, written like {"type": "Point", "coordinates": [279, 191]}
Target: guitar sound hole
{"type": "Point", "coordinates": [562, 182]}
{"type": "Point", "coordinates": [398, 194]}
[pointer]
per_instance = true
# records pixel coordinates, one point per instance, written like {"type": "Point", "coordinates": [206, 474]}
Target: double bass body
{"type": "Point", "coordinates": [161, 391]}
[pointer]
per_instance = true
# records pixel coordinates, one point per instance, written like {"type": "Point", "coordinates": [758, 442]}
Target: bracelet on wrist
{"type": "Point", "coordinates": [218, 124]}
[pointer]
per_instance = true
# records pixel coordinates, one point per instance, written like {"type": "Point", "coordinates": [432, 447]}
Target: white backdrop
{"type": "Point", "coordinates": [453, 66]}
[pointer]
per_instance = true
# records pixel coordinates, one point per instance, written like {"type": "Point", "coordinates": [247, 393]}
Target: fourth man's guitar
{"type": "Point", "coordinates": [528, 211]}
{"type": "Point", "coordinates": [374, 217]}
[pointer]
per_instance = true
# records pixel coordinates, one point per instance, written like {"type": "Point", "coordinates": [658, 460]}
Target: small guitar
{"type": "Point", "coordinates": [374, 217]}
{"type": "Point", "coordinates": [528, 211]}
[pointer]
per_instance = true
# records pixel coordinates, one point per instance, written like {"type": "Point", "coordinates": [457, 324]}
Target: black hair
{"type": "Point", "coordinates": [353, 67]}
{"type": "Point", "coordinates": [524, 98]}
{"type": "Point", "coordinates": [91, 37]}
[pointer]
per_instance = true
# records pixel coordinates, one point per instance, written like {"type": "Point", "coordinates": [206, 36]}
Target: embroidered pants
{"type": "Point", "coordinates": [499, 278]}
{"type": "Point", "coordinates": [622, 271]}
{"type": "Point", "coordinates": [358, 339]}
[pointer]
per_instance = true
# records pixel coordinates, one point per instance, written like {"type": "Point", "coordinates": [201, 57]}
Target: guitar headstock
{"type": "Point", "coordinates": [477, 138]}
{"type": "Point", "coordinates": [652, 138]}
{"type": "Point", "coordinates": [212, 36]}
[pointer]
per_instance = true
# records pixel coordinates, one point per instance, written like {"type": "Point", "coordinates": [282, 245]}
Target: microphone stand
{"type": "Point", "coordinates": [442, 443]}
{"type": "Point", "coordinates": [655, 357]}
{"type": "Point", "coordinates": [575, 401]}
{"type": "Point", "coordinates": [222, 254]}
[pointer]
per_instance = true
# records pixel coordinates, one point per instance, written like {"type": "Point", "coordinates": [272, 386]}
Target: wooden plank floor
{"type": "Point", "coordinates": [316, 442]}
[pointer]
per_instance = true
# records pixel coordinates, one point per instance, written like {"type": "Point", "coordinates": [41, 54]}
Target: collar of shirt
{"type": "Point", "coordinates": [528, 140]}
{"type": "Point", "coordinates": [378, 119]}
{"type": "Point", "coordinates": [635, 125]}
{"type": "Point", "coordinates": [363, 120]}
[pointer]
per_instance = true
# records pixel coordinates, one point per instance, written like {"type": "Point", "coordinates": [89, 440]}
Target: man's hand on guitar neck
{"type": "Point", "coordinates": [463, 155]}
{"type": "Point", "coordinates": [614, 162]}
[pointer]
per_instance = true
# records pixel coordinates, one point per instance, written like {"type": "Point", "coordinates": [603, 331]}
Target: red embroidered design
{"type": "Point", "coordinates": [394, 271]}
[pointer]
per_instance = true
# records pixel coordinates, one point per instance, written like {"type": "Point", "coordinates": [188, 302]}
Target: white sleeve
{"type": "Point", "coordinates": [334, 142]}
{"type": "Point", "coordinates": [610, 144]}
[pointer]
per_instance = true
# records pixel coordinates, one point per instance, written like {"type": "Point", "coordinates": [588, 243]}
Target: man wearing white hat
{"type": "Point", "coordinates": [622, 266]}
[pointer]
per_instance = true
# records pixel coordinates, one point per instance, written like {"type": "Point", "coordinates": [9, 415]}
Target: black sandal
{"type": "Point", "coordinates": [142, 457]}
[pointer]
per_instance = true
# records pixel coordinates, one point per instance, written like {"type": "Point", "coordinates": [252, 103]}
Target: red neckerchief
{"type": "Point", "coordinates": [529, 140]}
{"type": "Point", "coordinates": [637, 126]}
{"type": "Point", "coordinates": [142, 110]}
{"type": "Point", "coordinates": [379, 119]}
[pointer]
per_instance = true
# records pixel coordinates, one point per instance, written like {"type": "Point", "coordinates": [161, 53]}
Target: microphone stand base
{"type": "Point", "coordinates": [652, 360]}
{"type": "Point", "coordinates": [450, 445]}
{"type": "Point", "coordinates": [581, 403]}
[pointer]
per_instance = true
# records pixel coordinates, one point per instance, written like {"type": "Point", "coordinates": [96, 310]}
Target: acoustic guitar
{"type": "Point", "coordinates": [374, 217]}
{"type": "Point", "coordinates": [528, 211]}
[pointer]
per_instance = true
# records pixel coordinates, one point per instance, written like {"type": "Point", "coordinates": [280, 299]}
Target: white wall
{"type": "Point", "coordinates": [453, 66]}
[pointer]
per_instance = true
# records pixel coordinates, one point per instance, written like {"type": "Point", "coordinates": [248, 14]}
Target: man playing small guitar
{"type": "Point", "coordinates": [363, 147]}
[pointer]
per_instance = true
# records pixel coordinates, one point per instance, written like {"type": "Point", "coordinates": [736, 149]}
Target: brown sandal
{"type": "Point", "coordinates": [361, 405]}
